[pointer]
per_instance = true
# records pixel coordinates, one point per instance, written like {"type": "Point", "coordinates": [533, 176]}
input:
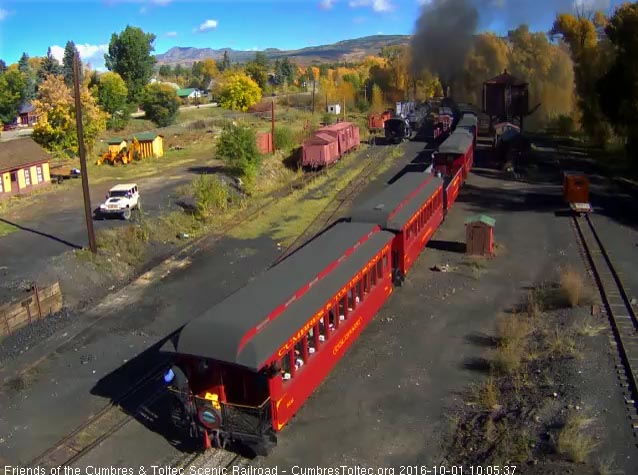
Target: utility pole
{"type": "Point", "coordinates": [314, 84]}
{"type": "Point", "coordinates": [344, 108]}
{"type": "Point", "coordinates": [272, 124]}
{"type": "Point", "coordinates": [85, 179]}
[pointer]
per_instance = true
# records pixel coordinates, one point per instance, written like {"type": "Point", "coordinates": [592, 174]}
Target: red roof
{"type": "Point", "coordinates": [506, 79]}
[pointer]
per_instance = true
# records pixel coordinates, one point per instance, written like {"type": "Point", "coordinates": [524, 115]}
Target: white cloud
{"type": "Point", "coordinates": [93, 54]}
{"type": "Point", "coordinates": [3, 14]}
{"type": "Point", "coordinates": [376, 5]}
{"type": "Point", "coordinates": [170, 34]}
{"type": "Point", "coordinates": [160, 2]}
{"type": "Point", "coordinates": [327, 4]}
{"type": "Point", "coordinates": [207, 25]}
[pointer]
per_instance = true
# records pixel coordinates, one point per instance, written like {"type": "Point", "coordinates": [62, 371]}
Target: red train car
{"type": "Point", "coordinates": [451, 189]}
{"type": "Point", "coordinates": [455, 153]}
{"type": "Point", "coordinates": [243, 368]}
{"type": "Point", "coordinates": [376, 121]}
{"type": "Point", "coordinates": [319, 151]}
{"type": "Point", "coordinates": [469, 122]}
{"type": "Point", "coordinates": [412, 208]}
{"type": "Point", "coordinates": [345, 134]}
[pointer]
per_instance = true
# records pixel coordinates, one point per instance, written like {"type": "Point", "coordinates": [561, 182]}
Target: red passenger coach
{"type": "Point", "coordinates": [251, 361]}
{"type": "Point", "coordinates": [412, 208]}
{"type": "Point", "coordinates": [320, 151]}
{"type": "Point", "coordinates": [455, 153]}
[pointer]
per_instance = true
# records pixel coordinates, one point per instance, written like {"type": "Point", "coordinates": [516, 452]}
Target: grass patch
{"type": "Point", "coordinates": [126, 244]}
{"type": "Point", "coordinates": [6, 229]}
{"type": "Point", "coordinates": [574, 441]}
{"type": "Point", "coordinates": [589, 327]}
{"type": "Point", "coordinates": [572, 287]}
{"type": "Point", "coordinates": [511, 332]}
{"type": "Point", "coordinates": [291, 215]}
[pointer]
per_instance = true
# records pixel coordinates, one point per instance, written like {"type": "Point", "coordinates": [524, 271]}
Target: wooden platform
{"type": "Point", "coordinates": [39, 303]}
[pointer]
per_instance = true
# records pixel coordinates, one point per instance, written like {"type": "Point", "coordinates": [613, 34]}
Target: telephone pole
{"type": "Point", "coordinates": [85, 179]}
{"type": "Point", "coordinates": [272, 124]}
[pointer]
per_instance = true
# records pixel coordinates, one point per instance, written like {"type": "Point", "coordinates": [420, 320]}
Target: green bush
{"type": "Point", "coordinates": [285, 138]}
{"type": "Point", "coordinates": [160, 103]}
{"type": "Point", "coordinates": [327, 118]}
{"type": "Point", "coordinates": [210, 195]}
{"type": "Point", "coordinates": [237, 148]}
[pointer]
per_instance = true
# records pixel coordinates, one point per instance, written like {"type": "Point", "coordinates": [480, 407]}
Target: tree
{"type": "Point", "coordinates": [111, 96]}
{"type": "Point", "coordinates": [67, 63]}
{"type": "Point", "coordinates": [225, 62]}
{"type": "Point", "coordinates": [377, 99]}
{"type": "Point", "coordinates": [591, 61]}
{"type": "Point", "coordinates": [237, 91]}
{"type": "Point", "coordinates": [160, 102]}
{"type": "Point", "coordinates": [257, 69]}
{"type": "Point", "coordinates": [12, 87]}
{"type": "Point", "coordinates": [237, 147]}
{"type": "Point", "coordinates": [56, 128]}
{"type": "Point", "coordinates": [487, 58]}
{"type": "Point", "coordinates": [29, 77]}
{"type": "Point", "coordinates": [49, 65]}
{"type": "Point", "coordinates": [165, 70]}
{"type": "Point", "coordinates": [130, 56]}
{"type": "Point", "coordinates": [618, 87]}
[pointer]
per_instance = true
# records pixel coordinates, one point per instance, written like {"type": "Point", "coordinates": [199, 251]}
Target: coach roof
{"type": "Point", "coordinates": [393, 207]}
{"type": "Point", "coordinates": [459, 142]}
{"type": "Point", "coordinates": [250, 325]}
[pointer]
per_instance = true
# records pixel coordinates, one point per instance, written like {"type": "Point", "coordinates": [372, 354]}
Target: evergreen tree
{"type": "Point", "coordinates": [50, 65]}
{"type": "Point", "coordinates": [225, 62]}
{"type": "Point", "coordinates": [67, 63]}
{"type": "Point", "coordinates": [29, 80]}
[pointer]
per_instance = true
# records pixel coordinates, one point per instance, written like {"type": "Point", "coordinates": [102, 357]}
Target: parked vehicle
{"type": "Point", "coordinates": [120, 200]}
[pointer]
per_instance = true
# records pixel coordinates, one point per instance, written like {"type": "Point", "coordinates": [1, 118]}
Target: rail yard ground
{"type": "Point", "coordinates": [415, 389]}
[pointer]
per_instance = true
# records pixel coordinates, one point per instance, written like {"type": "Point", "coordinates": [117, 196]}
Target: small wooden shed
{"type": "Point", "coordinates": [116, 144]}
{"type": "Point", "coordinates": [151, 144]}
{"type": "Point", "coordinates": [479, 235]}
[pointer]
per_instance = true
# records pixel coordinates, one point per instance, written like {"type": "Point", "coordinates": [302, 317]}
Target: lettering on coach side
{"type": "Point", "coordinates": [347, 336]}
{"type": "Point", "coordinates": [300, 334]}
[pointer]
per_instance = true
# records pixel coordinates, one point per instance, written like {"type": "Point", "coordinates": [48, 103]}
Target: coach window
{"type": "Point", "coordinates": [312, 342]}
{"type": "Point", "coordinates": [301, 353]}
{"type": "Point", "coordinates": [286, 374]}
{"type": "Point", "coordinates": [358, 292]}
{"type": "Point", "coordinates": [373, 274]}
{"type": "Point", "coordinates": [325, 324]}
{"type": "Point", "coordinates": [386, 261]}
{"type": "Point", "coordinates": [366, 283]}
{"type": "Point", "coordinates": [380, 269]}
{"type": "Point", "coordinates": [343, 309]}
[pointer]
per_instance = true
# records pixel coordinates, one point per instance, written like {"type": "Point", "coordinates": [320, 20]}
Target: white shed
{"type": "Point", "coordinates": [334, 109]}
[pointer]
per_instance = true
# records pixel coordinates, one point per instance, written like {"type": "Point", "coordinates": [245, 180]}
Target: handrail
{"type": "Point", "coordinates": [244, 406]}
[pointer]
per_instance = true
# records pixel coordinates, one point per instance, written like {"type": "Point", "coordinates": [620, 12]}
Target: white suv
{"type": "Point", "coordinates": [121, 199]}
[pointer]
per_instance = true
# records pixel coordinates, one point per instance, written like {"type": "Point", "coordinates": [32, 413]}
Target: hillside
{"type": "Point", "coordinates": [346, 50]}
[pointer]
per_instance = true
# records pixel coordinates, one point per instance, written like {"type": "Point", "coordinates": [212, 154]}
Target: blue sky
{"type": "Point", "coordinates": [34, 25]}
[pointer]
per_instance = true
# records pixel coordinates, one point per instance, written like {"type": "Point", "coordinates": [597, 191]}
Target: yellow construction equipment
{"type": "Point", "coordinates": [124, 156]}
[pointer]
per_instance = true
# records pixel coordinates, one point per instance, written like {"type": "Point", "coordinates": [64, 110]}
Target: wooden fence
{"type": "Point", "coordinates": [40, 303]}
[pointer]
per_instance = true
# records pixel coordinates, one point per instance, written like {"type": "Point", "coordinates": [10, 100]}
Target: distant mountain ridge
{"type": "Point", "coordinates": [346, 50]}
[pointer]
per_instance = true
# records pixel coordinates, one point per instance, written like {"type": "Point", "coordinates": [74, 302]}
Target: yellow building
{"type": "Point", "coordinates": [116, 144]}
{"type": "Point", "coordinates": [24, 165]}
{"type": "Point", "coordinates": [151, 144]}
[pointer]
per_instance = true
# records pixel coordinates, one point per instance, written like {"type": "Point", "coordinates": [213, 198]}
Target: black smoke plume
{"type": "Point", "coordinates": [444, 36]}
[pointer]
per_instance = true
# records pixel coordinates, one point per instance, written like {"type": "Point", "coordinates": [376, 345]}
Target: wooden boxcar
{"type": "Point", "coordinates": [412, 208]}
{"type": "Point", "coordinates": [576, 191]}
{"type": "Point", "coordinates": [455, 153]}
{"type": "Point", "coordinates": [319, 151]}
{"type": "Point", "coordinates": [346, 136]}
{"type": "Point", "coordinates": [252, 360]}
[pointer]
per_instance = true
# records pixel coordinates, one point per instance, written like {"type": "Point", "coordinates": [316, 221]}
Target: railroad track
{"type": "Point", "coordinates": [329, 212]}
{"type": "Point", "coordinates": [112, 418]}
{"type": "Point", "coordinates": [618, 308]}
{"type": "Point", "coordinates": [102, 425]}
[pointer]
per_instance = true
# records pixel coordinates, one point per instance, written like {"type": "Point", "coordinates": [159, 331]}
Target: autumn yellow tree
{"type": "Point", "coordinates": [590, 53]}
{"type": "Point", "coordinates": [237, 91]}
{"type": "Point", "coordinates": [377, 100]}
{"type": "Point", "coordinates": [56, 128]}
{"type": "Point", "coordinates": [487, 58]}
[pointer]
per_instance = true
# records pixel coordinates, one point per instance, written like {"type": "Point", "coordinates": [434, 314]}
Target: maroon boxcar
{"type": "Point", "coordinates": [320, 150]}
{"type": "Point", "coordinates": [345, 134]}
{"type": "Point", "coordinates": [412, 208]}
{"type": "Point", "coordinates": [252, 360]}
